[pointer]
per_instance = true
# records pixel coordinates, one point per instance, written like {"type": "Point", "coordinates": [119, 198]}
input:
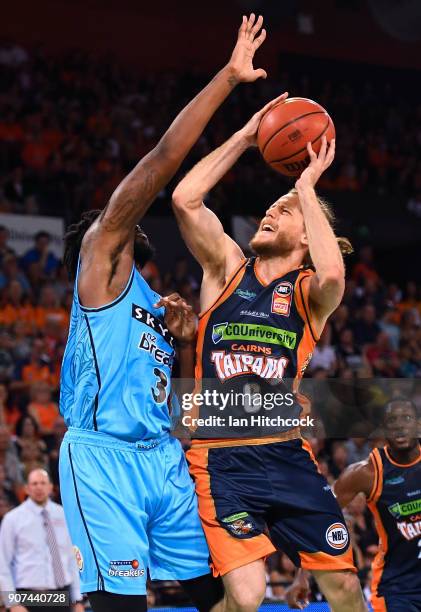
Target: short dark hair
{"type": "Point", "coordinates": [401, 399]}
{"type": "Point", "coordinates": [41, 234]}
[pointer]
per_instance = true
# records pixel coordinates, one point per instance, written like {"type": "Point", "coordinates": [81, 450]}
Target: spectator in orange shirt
{"type": "Point", "coordinates": [17, 308]}
{"type": "Point", "coordinates": [364, 269]}
{"type": "Point", "coordinates": [412, 299]}
{"type": "Point", "coordinates": [36, 152]}
{"type": "Point", "coordinates": [50, 309]}
{"type": "Point", "coordinates": [38, 369]}
{"type": "Point", "coordinates": [9, 415]}
{"type": "Point", "coordinates": [42, 408]}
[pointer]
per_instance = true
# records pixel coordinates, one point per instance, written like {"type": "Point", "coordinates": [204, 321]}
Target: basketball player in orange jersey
{"type": "Point", "coordinates": [261, 318]}
{"type": "Point", "coordinates": [390, 479]}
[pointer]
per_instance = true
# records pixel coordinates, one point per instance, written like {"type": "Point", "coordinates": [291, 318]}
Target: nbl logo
{"type": "Point", "coordinates": [337, 536]}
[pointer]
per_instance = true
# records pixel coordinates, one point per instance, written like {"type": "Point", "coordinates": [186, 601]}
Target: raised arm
{"type": "Point", "coordinates": [107, 248]}
{"type": "Point", "coordinates": [328, 284]}
{"type": "Point", "coordinates": [202, 231]}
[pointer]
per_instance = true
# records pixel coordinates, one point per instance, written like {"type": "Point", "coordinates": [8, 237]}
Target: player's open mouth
{"type": "Point", "coordinates": [266, 227]}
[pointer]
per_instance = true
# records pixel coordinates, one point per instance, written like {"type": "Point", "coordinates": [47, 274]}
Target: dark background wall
{"type": "Point", "coordinates": [166, 33]}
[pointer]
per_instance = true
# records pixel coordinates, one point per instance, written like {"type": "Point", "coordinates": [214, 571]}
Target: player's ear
{"type": "Point", "coordinates": [304, 239]}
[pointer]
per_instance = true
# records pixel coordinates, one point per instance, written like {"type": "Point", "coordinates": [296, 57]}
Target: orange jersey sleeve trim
{"type": "Point", "coordinates": [227, 552]}
{"type": "Point", "coordinates": [308, 341]}
{"type": "Point", "coordinates": [402, 465]}
{"type": "Point", "coordinates": [376, 491]}
{"type": "Point", "coordinates": [223, 295]}
{"type": "Point", "coordinates": [323, 561]}
{"type": "Point", "coordinates": [302, 300]}
{"type": "Point", "coordinates": [378, 563]}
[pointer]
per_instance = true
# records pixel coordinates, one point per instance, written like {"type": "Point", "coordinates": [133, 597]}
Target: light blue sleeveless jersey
{"type": "Point", "coordinates": [116, 371]}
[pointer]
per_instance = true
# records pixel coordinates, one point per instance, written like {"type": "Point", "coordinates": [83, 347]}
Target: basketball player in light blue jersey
{"type": "Point", "coordinates": [127, 494]}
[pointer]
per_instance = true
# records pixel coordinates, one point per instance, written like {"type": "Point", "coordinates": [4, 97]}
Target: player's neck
{"type": "Point", "coordinates": [404, 457]}
{"type": "Point", "coordinates": [271, 267]}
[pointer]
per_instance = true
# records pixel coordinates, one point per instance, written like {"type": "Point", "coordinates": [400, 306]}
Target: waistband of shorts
{"type": "Point", "coordinates": [99, 438]}
{"type": "Point", "coordinates": [291, 434]}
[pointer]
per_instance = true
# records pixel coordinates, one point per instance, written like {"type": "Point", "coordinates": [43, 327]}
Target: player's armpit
{"type": "Point", "coordinates": [205, 238]}
{"type": "Point", "coordinates": [325, 295]}
{"type": "Point", "coordinates": [356, 478]}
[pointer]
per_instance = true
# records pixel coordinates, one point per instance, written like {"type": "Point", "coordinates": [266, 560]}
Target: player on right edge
{"type": "Point", "coordinates": [390, 478]}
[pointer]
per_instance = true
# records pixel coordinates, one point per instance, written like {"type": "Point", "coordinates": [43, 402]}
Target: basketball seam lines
{"type": "Point", "coordinates": [100, 578]}
{"type": "Point", "coordinates": [274, 161]}
{"type": "Point", "coordinates": [290, 123]}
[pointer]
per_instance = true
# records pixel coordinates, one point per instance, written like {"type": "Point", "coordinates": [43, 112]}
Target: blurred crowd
{"type": "Point", "coordinates": [69, 131]}
{"type": "Point", "coordinates": [72, 126]}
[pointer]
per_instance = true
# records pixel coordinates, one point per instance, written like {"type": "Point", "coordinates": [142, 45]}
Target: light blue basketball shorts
{"type": "Point", "coordinates": [130, 508]}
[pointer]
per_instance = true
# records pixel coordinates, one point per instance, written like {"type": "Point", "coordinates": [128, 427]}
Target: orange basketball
{"type": "Point", "coordinates": [285, 130]}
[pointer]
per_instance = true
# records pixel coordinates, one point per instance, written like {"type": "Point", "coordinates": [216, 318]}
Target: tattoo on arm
{"type": "Point", "coordinates": [131, 202]}
{"type": "Point", "coordinates": [232, 82]}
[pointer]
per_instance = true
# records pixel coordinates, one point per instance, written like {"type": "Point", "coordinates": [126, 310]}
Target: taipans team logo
{"type": "Point", "coordinates": [131, 569]}
{"type": "Point", "coordinates": [78, 557]}
{"type": "Point", "coordinates": [240, 525]}
{"type": "Point", "coordinates": [281, 299]}
{"type": "Point", "coordinates": [337, 536]}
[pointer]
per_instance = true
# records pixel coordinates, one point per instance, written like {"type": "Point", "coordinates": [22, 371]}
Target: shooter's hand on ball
{"type": "Point", "coordinates": [248, 41]}
{"type": "Point", "coordinates": [318, 164]}
{"type": "Point", "coordinates": [179, 317]}
{"type": "Point", "coordinates": [249, 131]}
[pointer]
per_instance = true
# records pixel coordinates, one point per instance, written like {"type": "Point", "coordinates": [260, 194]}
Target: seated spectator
{"type": "Point", "coordinates": [382, 358]}
{"type": "Point", "coordinates": [40, 254]}
{"type": "Point", "coordinates": [37, 370]}
{"type": "Point", "coordinates": [339, 321]}
{"type": "Point", "coordinates": [17, 308]}
{"type": "Point", "coordinates": [49, 309]}
{"type": "Point", "coordinates": [339, 460]}
{"type": "Point", "coordinates": [10, 271]}
{"type": "Point", "coordinates": [366, 328]}
{"type": "Point", "coordinates": [7, 493]}
{"type": "Point", "coordinates": [281, 573]}
{"type": "Point", "coordinates": [16, 189]}
{"type": "Point", "coordinates": [365, 267]}
{"type": "Point", "coordinates": [412, 299]}
{"type": "Point", "coordinates": [9, 415]}
{"type": "Point", "coordinates": [42, 408]}
{"type": "Point", "coordinates": [30, 447]}
{"type": "Point", "coordinates": [388, 326]}
{"type": "Point", "coordinates": [348, 353]}
{"type": "Point", "coordinates": [10, 462]}
{"type": "Point", "coordinates": [5, 249]}
{"type": "Point", "coordinates": [324, 355]}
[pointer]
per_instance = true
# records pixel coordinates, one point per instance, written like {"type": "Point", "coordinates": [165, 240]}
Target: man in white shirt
{"type": "Point", "coordinates": [35, 548]}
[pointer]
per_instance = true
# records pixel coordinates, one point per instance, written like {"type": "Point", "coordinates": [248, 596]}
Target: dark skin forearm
{"type": "Point", "coordinates": [108, 246]}
{"type": "Point", "coordinates": [133, 196]}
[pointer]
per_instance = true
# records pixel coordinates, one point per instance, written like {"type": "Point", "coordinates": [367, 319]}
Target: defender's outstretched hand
{"type": "Point", "coordinates": [179, 317]}
{"type": "Point", "coordinates": [318, 163]}
{"type": "Point", "coordinates": [248, 41]}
